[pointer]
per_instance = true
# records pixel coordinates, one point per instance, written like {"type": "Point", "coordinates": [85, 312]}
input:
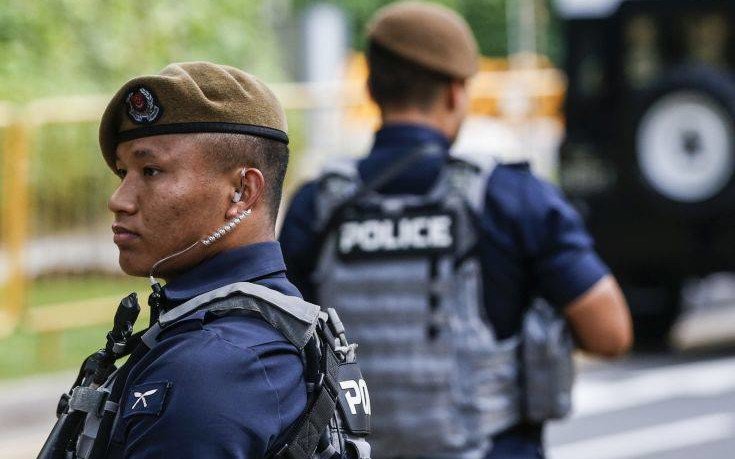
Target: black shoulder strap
{"type": "Point", "coordinates": [103, 442]}
{"type": "Point", "coordinates": [393, 171]}
{"type": "Point", "coordinates": [305, 436]}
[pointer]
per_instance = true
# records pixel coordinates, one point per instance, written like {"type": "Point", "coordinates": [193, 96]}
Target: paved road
{"type": "Point", "coordinates": [647, 407]}
{"type": "Point", "coordinates": [652, 407]}
{"type": "Point", "coordinates": [27, 413]}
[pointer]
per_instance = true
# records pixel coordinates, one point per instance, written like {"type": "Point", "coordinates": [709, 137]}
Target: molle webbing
{"type": "Point", "coordinates": [442, 381]}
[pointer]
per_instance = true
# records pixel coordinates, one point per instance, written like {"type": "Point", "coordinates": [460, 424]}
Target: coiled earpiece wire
{"type": "Point", "coordinates": [156, 296]}
{"type": "Point", "coordinates": [208, 241]}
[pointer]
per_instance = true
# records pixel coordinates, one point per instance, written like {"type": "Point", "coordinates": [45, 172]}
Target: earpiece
{"type": "Point", "coordinates": [221, 231]}
{"type": "Point", "coordinates": [238, 193]}
{"type": "Point", "coordinates": [227, 227]}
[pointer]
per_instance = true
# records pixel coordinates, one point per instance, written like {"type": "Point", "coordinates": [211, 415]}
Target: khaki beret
{"type": "Point", "coordinates": [191, 97]}
{"type": "Point", "coordinates": [427, 34]}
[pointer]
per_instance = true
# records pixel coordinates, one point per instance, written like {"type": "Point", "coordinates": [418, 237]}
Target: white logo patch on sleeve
{"type": "Point", "coordinates": [141, 397]}
{"type": "Point", "coordinates": [146, 398]}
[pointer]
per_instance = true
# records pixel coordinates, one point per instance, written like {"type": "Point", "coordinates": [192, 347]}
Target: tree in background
{"type": "Point", "coordinates": [488, 19]}
{"type": "Point", "coordinates": [58, 47]}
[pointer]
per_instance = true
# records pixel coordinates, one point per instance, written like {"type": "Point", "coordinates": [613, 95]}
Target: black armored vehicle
{"type": "Point", "coordinates": [649, 151]}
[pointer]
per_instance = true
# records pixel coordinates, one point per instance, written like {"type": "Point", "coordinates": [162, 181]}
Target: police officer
{"type": "Point", "coordinates": [378, 271]}
{"type": "Point", "coordinates": [226, 371]}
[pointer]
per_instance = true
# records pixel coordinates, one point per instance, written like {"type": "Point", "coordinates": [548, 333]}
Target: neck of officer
{"type": "Point", "coordinates": [254, 230]}
{"type": "Point", "coordinates": [433, 118]}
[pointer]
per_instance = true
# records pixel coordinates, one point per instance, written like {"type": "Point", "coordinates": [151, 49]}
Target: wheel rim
{"type": "Point", "coordinates": [684, 147]}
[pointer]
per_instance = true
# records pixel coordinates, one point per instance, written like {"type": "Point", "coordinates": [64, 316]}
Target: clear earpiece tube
{"type": "Point", "coordinates": [208, 241]}
{"type": "Point", "coordinates": [226, 228]}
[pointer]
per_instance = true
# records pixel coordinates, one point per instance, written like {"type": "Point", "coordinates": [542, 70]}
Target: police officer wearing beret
{"type": "Point", "coordinates": [201, 153]}
{"type": "Point", "coordinates": [530, 243]}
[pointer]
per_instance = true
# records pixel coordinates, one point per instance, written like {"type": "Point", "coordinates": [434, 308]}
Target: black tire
{"type": "Point", "coordinates": [682, 143]}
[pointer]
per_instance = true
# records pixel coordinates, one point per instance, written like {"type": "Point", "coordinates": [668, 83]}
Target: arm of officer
{"type": "Point", "coordinates": [600, 319]}
{"type": "Point", "coordinates": [572, 276]}
{"type": "Point", "coordinates": [216, 400]}
{"type": "Point", "coordinates": [298, 240]}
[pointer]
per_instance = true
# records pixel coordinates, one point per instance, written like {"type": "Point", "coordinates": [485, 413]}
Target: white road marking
{"type": "Point", "coordinates": [649, 440]}
{"type": "Point", "coordinates": [703, 379]}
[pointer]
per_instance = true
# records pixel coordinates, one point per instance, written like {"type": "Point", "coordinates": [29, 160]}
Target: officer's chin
{"type": "Point", "coordinates": [132, 266]}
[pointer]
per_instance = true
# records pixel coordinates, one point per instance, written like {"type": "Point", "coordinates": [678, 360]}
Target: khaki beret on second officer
{"type": "Point", "coordinates": [191, 97]}
{"type": "Point", "coordinates": [427, 34]}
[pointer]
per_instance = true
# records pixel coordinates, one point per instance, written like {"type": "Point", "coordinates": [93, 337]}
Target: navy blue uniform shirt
{"type": "Point", "coordinates": [215, 386]}
{"type": "Point", "coordinates": [533, 243]}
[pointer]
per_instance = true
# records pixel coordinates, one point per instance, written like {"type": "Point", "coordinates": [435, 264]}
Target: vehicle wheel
{"type": "Point", "coordinates": [684, 142]}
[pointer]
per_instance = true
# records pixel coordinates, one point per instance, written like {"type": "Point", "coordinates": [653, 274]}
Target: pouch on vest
{"type": "Point", "coordinates": [547, 363]}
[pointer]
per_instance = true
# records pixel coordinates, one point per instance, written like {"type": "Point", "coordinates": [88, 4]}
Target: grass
{"type": "Point", "coordinates": [55, 290]}
{"type": "Point", "coordinates": [23, 353]}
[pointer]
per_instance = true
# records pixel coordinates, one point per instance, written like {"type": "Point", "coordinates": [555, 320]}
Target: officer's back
{"type": "Point", "coordinates": [529, 240]}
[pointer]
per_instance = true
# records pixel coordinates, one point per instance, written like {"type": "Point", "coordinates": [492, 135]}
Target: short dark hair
{"type": "Point", "coordinates": [267, 155]}
{"type": "Point", "coordinates": [398, 83]}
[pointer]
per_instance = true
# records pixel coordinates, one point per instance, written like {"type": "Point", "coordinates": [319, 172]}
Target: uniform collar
{"type": "Point", "coordinates": [398, 135]}
{"type": "Point", "coordinates": [396, 140]}
{"type": "Point", "coordinates": [241, 264]}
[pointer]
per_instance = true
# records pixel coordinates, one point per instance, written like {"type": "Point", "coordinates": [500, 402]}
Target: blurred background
{"type": "Point", "coordinates": [626, 105]}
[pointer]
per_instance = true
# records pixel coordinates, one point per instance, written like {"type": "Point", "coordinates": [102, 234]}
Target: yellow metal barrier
{"type": "Point", "coordinates": [15, 221]}
{"type": "Point", "coordinates": [495, 90]}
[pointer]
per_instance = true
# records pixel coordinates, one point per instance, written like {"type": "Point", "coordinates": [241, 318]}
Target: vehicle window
{"type": "Point", "coordinates": [706, 38]}
{"type": "Point", "coordinates": [591, 75]}
{"type": "Point", "coordinates": [643, 60]}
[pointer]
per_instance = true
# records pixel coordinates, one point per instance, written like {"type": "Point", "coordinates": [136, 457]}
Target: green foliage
{"type": "Point", "coordinates": [69, 181]}
{"type": "Point", "coordinates": [20, 354]}
{"type": "Point", "coordinates": [486, 17]}
{"type": "Point", "coordinates": [55, 47]}
{"type": "Point", "coordinates": [71, 47]}
{"type": "Point", "coordinates": [62, 289]}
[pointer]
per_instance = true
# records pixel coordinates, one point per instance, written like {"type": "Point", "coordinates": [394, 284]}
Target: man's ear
{"type": "Point", "coordinates": [248, 191]}
{"type": "Point", "coordinates": [369, 88]}
{"type": "Point", "coordinates": [455, 94]}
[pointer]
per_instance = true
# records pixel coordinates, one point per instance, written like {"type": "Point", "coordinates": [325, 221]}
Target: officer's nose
{"type": "Point", "coordinates": [123, 199]}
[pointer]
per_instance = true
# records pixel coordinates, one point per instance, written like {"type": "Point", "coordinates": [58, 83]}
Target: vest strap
{"type": "Point", "coordinates": [294, 306]}
{"type": "Point", "coordinates": [303, 440]}
{"type": "Point", "coordinates": [295, 318]}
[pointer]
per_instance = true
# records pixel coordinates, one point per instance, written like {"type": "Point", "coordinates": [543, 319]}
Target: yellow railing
{"type": "Point", "coordinates": [14, 219]}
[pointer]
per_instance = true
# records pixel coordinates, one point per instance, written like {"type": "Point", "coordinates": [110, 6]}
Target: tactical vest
{"type": "Point", "coordinates": [337, 416]}
{"type": "Point", "coordinates": [403, 272]}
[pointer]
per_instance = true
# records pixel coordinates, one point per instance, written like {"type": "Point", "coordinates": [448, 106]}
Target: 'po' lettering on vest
{"type": "Point", "coordinates": [422, 233]}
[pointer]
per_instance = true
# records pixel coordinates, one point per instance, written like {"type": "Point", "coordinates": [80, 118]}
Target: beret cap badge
{"type": "Point", "coordinates": [143, 108]}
